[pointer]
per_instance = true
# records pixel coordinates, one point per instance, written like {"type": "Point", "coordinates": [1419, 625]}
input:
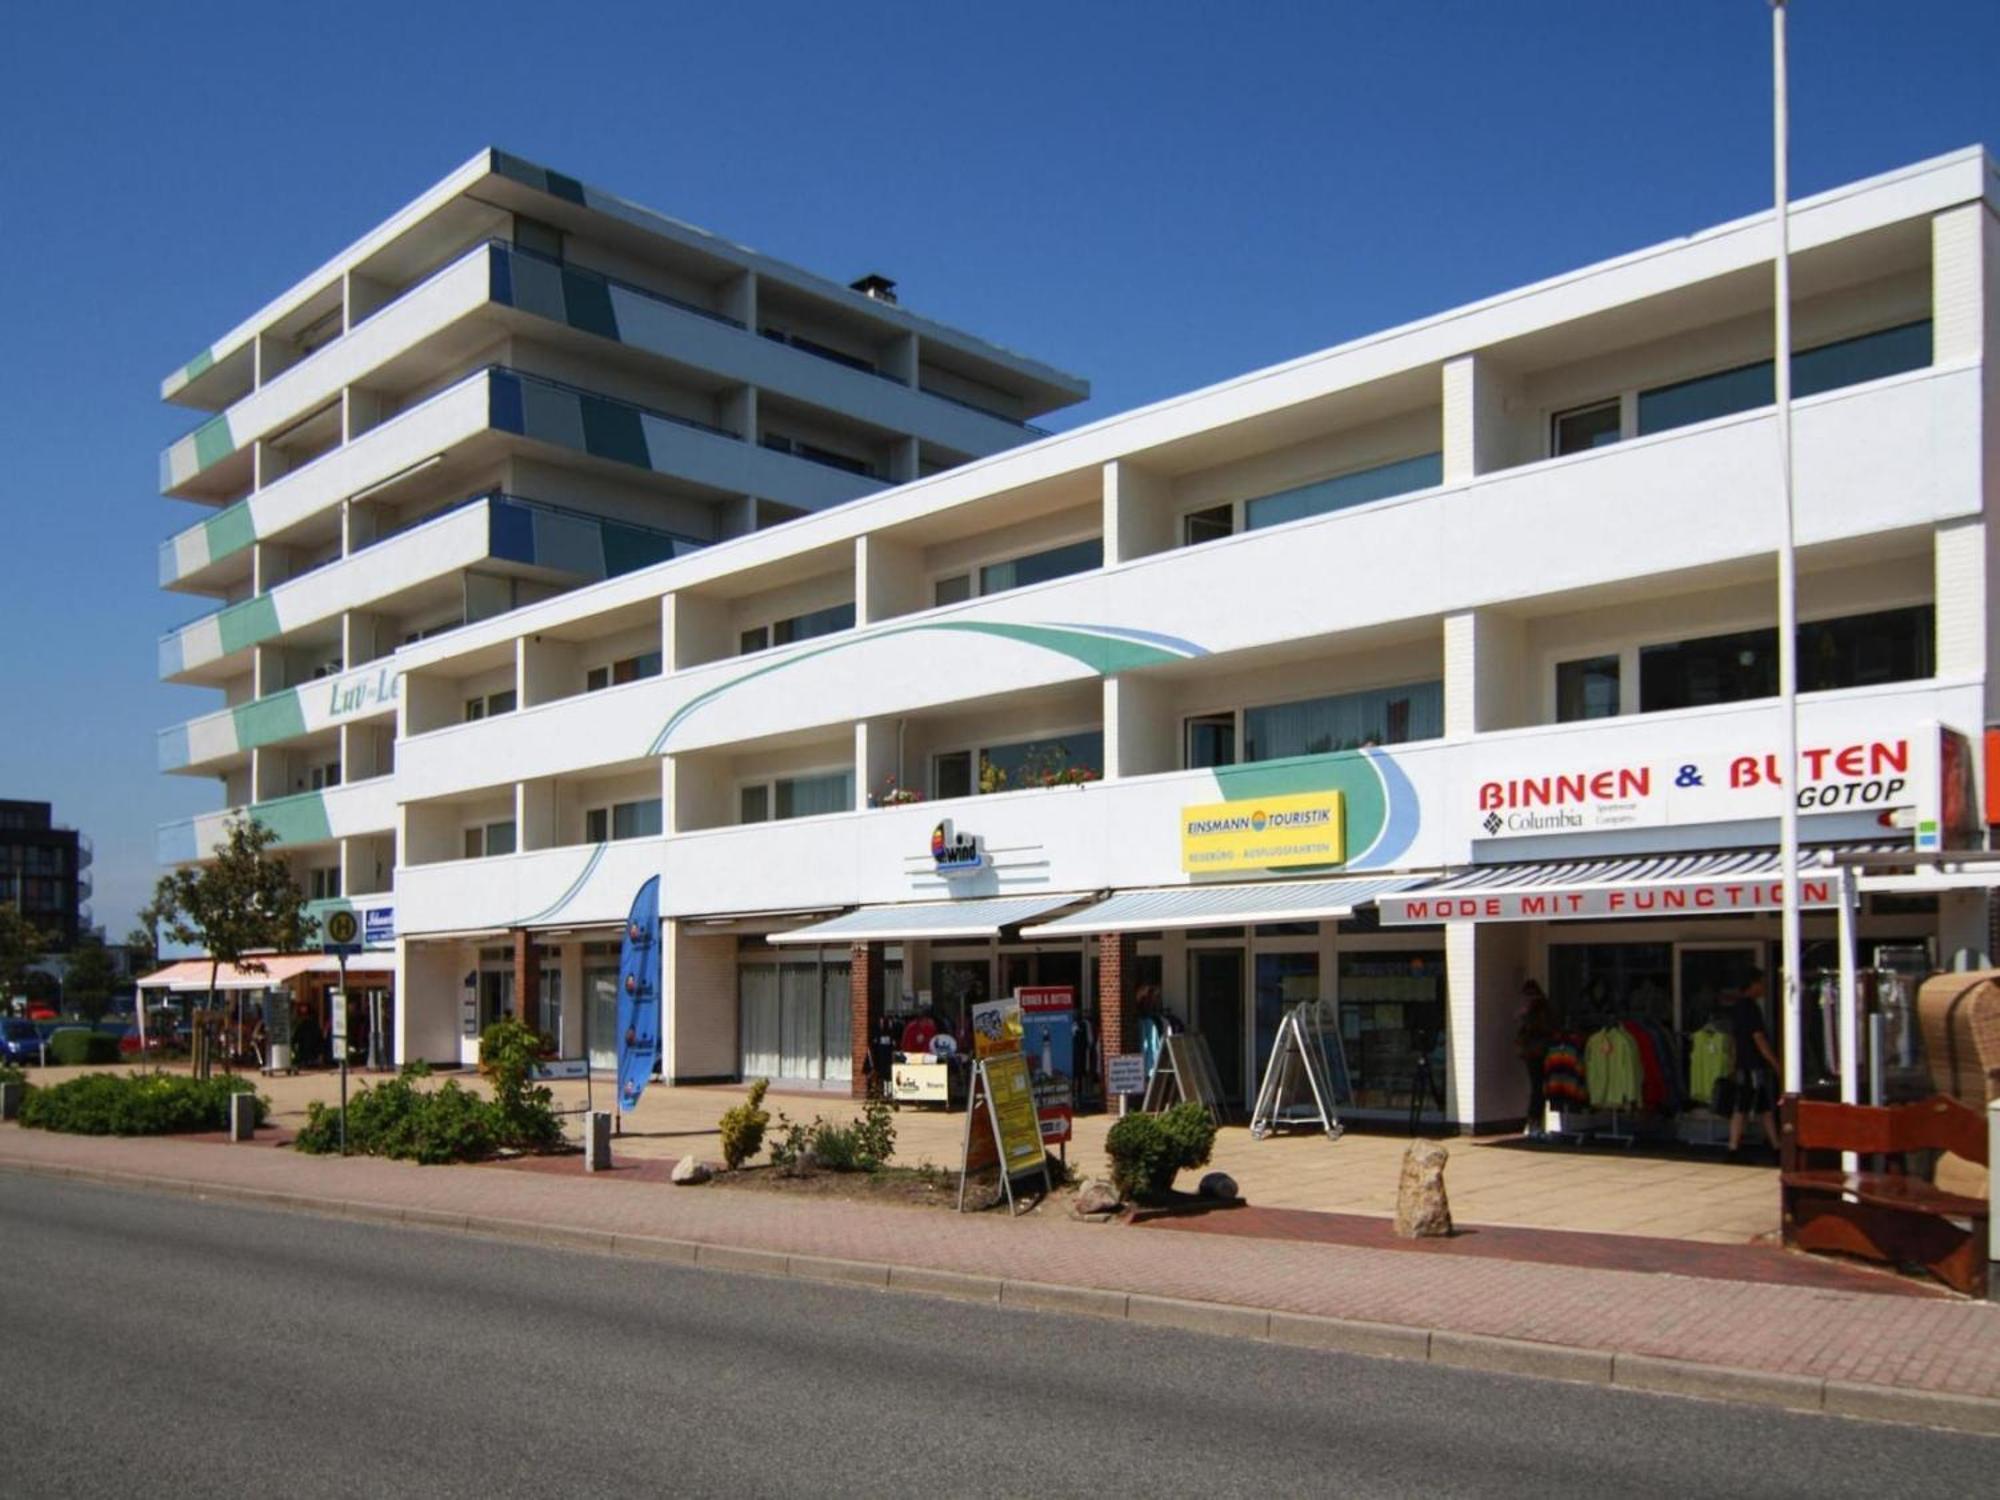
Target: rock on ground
{"type": "Point", "coordinates": [688, 1171]}
{"type": "Point", "coordinates": [1095, 1199]}
{"type": "Point", "coordinates": [1422, 1210]}
{"type": "Point", "coordinates": [1219, 1185]}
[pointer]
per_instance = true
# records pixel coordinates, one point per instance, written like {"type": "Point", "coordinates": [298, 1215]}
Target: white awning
{"type": "Point", "coordinates": [926, 919]}
{"type": "Point", "coordinates": [1220, 905]}
{"type": "Point", "coordinates": [1710, 883]}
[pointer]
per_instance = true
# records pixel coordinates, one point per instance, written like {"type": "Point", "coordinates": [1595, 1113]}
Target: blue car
{"type": "Point", "coordinates": [20, 1041]}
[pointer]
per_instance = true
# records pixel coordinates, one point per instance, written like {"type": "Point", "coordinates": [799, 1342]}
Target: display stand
{"type": "Point", "coordinates": [1307, 1059]}
{"type": "Point", "coordinates": [1185, 1074]}
{"type": "Point", "coordinates": [1001, 1129]}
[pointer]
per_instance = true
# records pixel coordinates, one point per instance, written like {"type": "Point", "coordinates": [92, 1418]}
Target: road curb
{"type": "Point", "coordinates": [1652, 1374]}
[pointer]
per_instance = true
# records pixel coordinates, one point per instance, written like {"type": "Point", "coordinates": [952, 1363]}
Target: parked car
{"type": "Point", "coordinates": [20, 1041]}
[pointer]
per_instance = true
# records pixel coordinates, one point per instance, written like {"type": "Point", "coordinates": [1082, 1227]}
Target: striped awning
{"type": "Point", "coordinates": [1224, 905]}
{"type": "Point", "coordinates": [1710, 882]}
{"type": "Point", "coordinates": [910, 920]}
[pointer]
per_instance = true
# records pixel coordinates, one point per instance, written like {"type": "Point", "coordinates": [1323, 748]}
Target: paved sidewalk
{"type": "Point", "coordinates": [1900, 1358]}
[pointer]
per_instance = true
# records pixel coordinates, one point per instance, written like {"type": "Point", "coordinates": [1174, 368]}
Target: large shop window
{"type": "Point", "coordinates": [1343, 490]}
{"type": "Point", "coordinates": [1871, 356]}
{"type": "Point", "coordinates": [1283, 980]}
{"type": "Point", "coordinates": [1391, 1014]}
{"type": "Point", "coordinates": [1344, 721]}
{"type": "Point", "coordinates": [1892, 645]}
{"type": "Point", "coordinates": [795, 1021]}
{"type": "Point", "coordinates": [797, 797]}
{"type": "Point", "coordinates": [1052, 760]}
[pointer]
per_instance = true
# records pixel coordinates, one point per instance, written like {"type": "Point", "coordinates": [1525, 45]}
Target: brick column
{"type": "Point", "coordinates": [527, 979]}
{"type": "Point", "coordinates": [1117, 1015]}
{"type": "Point", "coordinates": [864, 997]}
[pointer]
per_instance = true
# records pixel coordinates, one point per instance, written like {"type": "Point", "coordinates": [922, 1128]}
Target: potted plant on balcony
{"type": "Point", "coordinates": [893, 795]}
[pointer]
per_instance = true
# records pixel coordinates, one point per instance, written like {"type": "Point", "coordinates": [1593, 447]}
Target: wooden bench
{"type": "Point", "coordinates": [1884, 1216]}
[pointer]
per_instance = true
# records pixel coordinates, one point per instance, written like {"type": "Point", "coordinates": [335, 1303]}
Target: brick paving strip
{"type": "Point", "coordinates": [1928, 1361]}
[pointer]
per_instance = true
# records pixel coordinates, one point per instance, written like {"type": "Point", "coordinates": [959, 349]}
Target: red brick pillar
{"type": "Point", "coordinates": [527, 979]}
{"type": "Point", "coordinates": [864, 995]}
{"type": "Point", "coordinates": [1117, 1016]}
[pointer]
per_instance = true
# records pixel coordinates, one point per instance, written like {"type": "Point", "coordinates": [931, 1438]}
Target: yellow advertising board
{"type": "Point", "coordinates": [1304, 828]}
{"type": "Point", "coordinates": [1014, 1113]}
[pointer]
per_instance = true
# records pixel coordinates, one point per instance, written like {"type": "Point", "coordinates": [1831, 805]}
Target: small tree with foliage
{"type": "Point", "coordinates": [242, 900]}
{"type": "Point", "coordinates": [90, 978]}
{"type": "Point", "coordinates": [21, 943]}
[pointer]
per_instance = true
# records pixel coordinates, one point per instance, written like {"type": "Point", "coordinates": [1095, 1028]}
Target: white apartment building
{"type": "Point", "coordinates": [1391, 677]}
{"type": "Point", "coordinates": [514, 387]}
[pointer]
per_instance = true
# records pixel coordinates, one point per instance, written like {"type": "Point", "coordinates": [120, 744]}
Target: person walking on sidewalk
{"type": "Point", "coordinates": [1534, 1029]}
{"type": "Point", "coordinates": [1755, 1079]}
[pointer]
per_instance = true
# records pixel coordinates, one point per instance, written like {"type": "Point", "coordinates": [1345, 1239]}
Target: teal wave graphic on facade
{"type": "Point", "coordinates": [575, 889]}
{"type": "Point", "coordinates": [1098, 647]}
{"type": "Point", "coordinates": [1383, 809]}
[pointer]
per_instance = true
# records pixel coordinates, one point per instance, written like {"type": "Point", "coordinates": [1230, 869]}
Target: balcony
{"type": "Point", "coordinates": [500, 534]}
{"type": "Point", "coordinates": [573, 884]}
{"type": "Point", "coordinates": [215, 742]}
{"type": "Point", "coordinates": [359, 807]}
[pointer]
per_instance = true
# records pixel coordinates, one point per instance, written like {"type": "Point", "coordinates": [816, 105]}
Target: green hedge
{"type": "Point", "coordinates": [70, 1048]}
{"type": "Point", "coordinates": [398, 1119]}
{"type": "Point", "coordinates": [136, 1104]}
{"type": "Point", "coordinates": [1148, 1150]}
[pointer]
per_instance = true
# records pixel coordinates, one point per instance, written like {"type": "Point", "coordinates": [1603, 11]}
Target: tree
{"type": "Point", "coordinates": [90, 978]}
{"type": "Point", "coordinates": [243, 900]}
{"type": "Point", "coordinates": [21, 943]}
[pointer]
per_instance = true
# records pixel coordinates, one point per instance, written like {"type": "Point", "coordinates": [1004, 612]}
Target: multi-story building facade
{"type": "Point", "coordinates": [1391, 677]}
{"type": "Point", "coordinates": [515, 386]}
{"type": "Point", "coordinates": [43, 871]}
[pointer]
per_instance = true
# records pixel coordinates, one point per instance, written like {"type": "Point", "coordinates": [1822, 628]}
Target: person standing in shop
{"type": "Point", "coordinates": [1756, 1075]}
{"type": "Point", "coordinates": [1534, 1029]}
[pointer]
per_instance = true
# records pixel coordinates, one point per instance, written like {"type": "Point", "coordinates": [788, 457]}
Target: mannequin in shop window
{"type": "Point", "coordinates": [1534, 1029]}
{"type": "Point", "coordinates": [1755, 1080]}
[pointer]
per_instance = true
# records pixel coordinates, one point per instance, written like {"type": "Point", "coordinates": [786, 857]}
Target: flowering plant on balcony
{"type": "Point", "coordinates": [1069, 776]}
{"type": "Point", "coordinates": [892, 795]}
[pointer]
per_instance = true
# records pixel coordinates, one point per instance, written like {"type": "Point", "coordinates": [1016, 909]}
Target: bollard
{"type": "Point", "coordinates": [11, 1095]}
{"type": "Point", "coordinates": [242, 1116]}
{"type": "Point", "coordinates": [597, 1141]}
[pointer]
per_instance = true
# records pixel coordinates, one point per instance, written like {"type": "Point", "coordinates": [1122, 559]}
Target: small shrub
{"type": "Point", "coordinates": [525, 1115]}
{"type": "Point", "coordinates": [1148, 1150]}
{"type": "Point", "coordinates": [743, 1127]}
{"type": "Point", "coordinates": [70, 1049]}
{"type": "Point", "coordinates": [10, 1073]}
{"type": "Point", "coordinates": [137, 1104]}
{"type": "Point", "coordinates": [397, 1119]}
{"type": "Point", "coordinates": [863, 1145]}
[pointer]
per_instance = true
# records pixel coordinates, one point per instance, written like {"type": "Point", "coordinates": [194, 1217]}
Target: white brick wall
{"type": "Point", "coordinates": [699, 980]}
{"type": "Point", "coordinates": [1958, 262]}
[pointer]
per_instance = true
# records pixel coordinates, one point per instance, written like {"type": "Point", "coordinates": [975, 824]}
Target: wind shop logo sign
{"type": "Point", "coordinates": [1309, 828]}
{"type": "Point", "coordinates": [956, 855]}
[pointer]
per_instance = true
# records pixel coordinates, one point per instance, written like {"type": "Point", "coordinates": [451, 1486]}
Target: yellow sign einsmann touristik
{"type": "Point", "coordinates": [1304, 828]}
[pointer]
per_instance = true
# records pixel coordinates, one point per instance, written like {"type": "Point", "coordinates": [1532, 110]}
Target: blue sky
{"type": "Point", "coordinates": [1155, 195]}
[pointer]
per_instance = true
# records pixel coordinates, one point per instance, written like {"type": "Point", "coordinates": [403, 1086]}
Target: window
{"type": "Point", "coordinates": [951, 774]}
{"type": "Point", "coordinates": [410, 638]}
{"type": "Point", "coordinates": [1209, 525]}
{"type": "Point", "coordinates": [628, 669]}
{"type": "Point", "coordinates": [1871, 356]}
{"type": "Point", "coordinates": [623, 820]}
{"type": "Point", "coordinates": [1338, 493]}
{"type": "Point", "coordinates": [1040, 567]}
{"type": "Point", "coordinates": [1210, 741]}
{"type": "Point", "coordinates": [537, 238]}
{"type": "Point", "coordinates": [953, 590]}
{"type": "Point", "coordinates": [1894, 645]}
{"type": "Point", "coordinates": [323, 883]}
{"type": "Point", "coordinates": [1586, 689]}
{"type": "Point", "coordinates": [323, 776]}
{"type": "Point", "coordinates": [489, 840]}
{"type": "Point", "coordinates": [490, 705]}
{"type": "Point", "coordinates": [798, 628]}
{"type": "Point", "coordinates": [1344, 721]}
{"type": "Point", "coordinates": [806, 796]}
{"type": "Point", "coordinates": [1584, 428]}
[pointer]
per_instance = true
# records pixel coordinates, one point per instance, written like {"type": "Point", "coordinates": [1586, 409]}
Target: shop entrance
{"type": "Point", "coordinates": [1215, 995]}
{"type": "Point", "coordinates": [600, 1000]}
{"type": "Point", "coordinates": [1704, 973]}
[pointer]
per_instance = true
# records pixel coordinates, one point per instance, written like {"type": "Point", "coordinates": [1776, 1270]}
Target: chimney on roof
{"type": "Point", "coordinates": [881, 288]}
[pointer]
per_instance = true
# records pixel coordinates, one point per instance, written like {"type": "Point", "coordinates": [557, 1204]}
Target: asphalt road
{"type": "Point", "coordinates": [158, 1346]}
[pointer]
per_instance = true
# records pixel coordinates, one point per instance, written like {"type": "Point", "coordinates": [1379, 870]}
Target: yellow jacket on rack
{"type": "Point", "coordinates": [1611, 1069]}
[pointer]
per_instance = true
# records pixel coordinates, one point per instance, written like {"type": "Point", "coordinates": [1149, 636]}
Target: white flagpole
{"type": "Point", "coordinates": [1788, 601]}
